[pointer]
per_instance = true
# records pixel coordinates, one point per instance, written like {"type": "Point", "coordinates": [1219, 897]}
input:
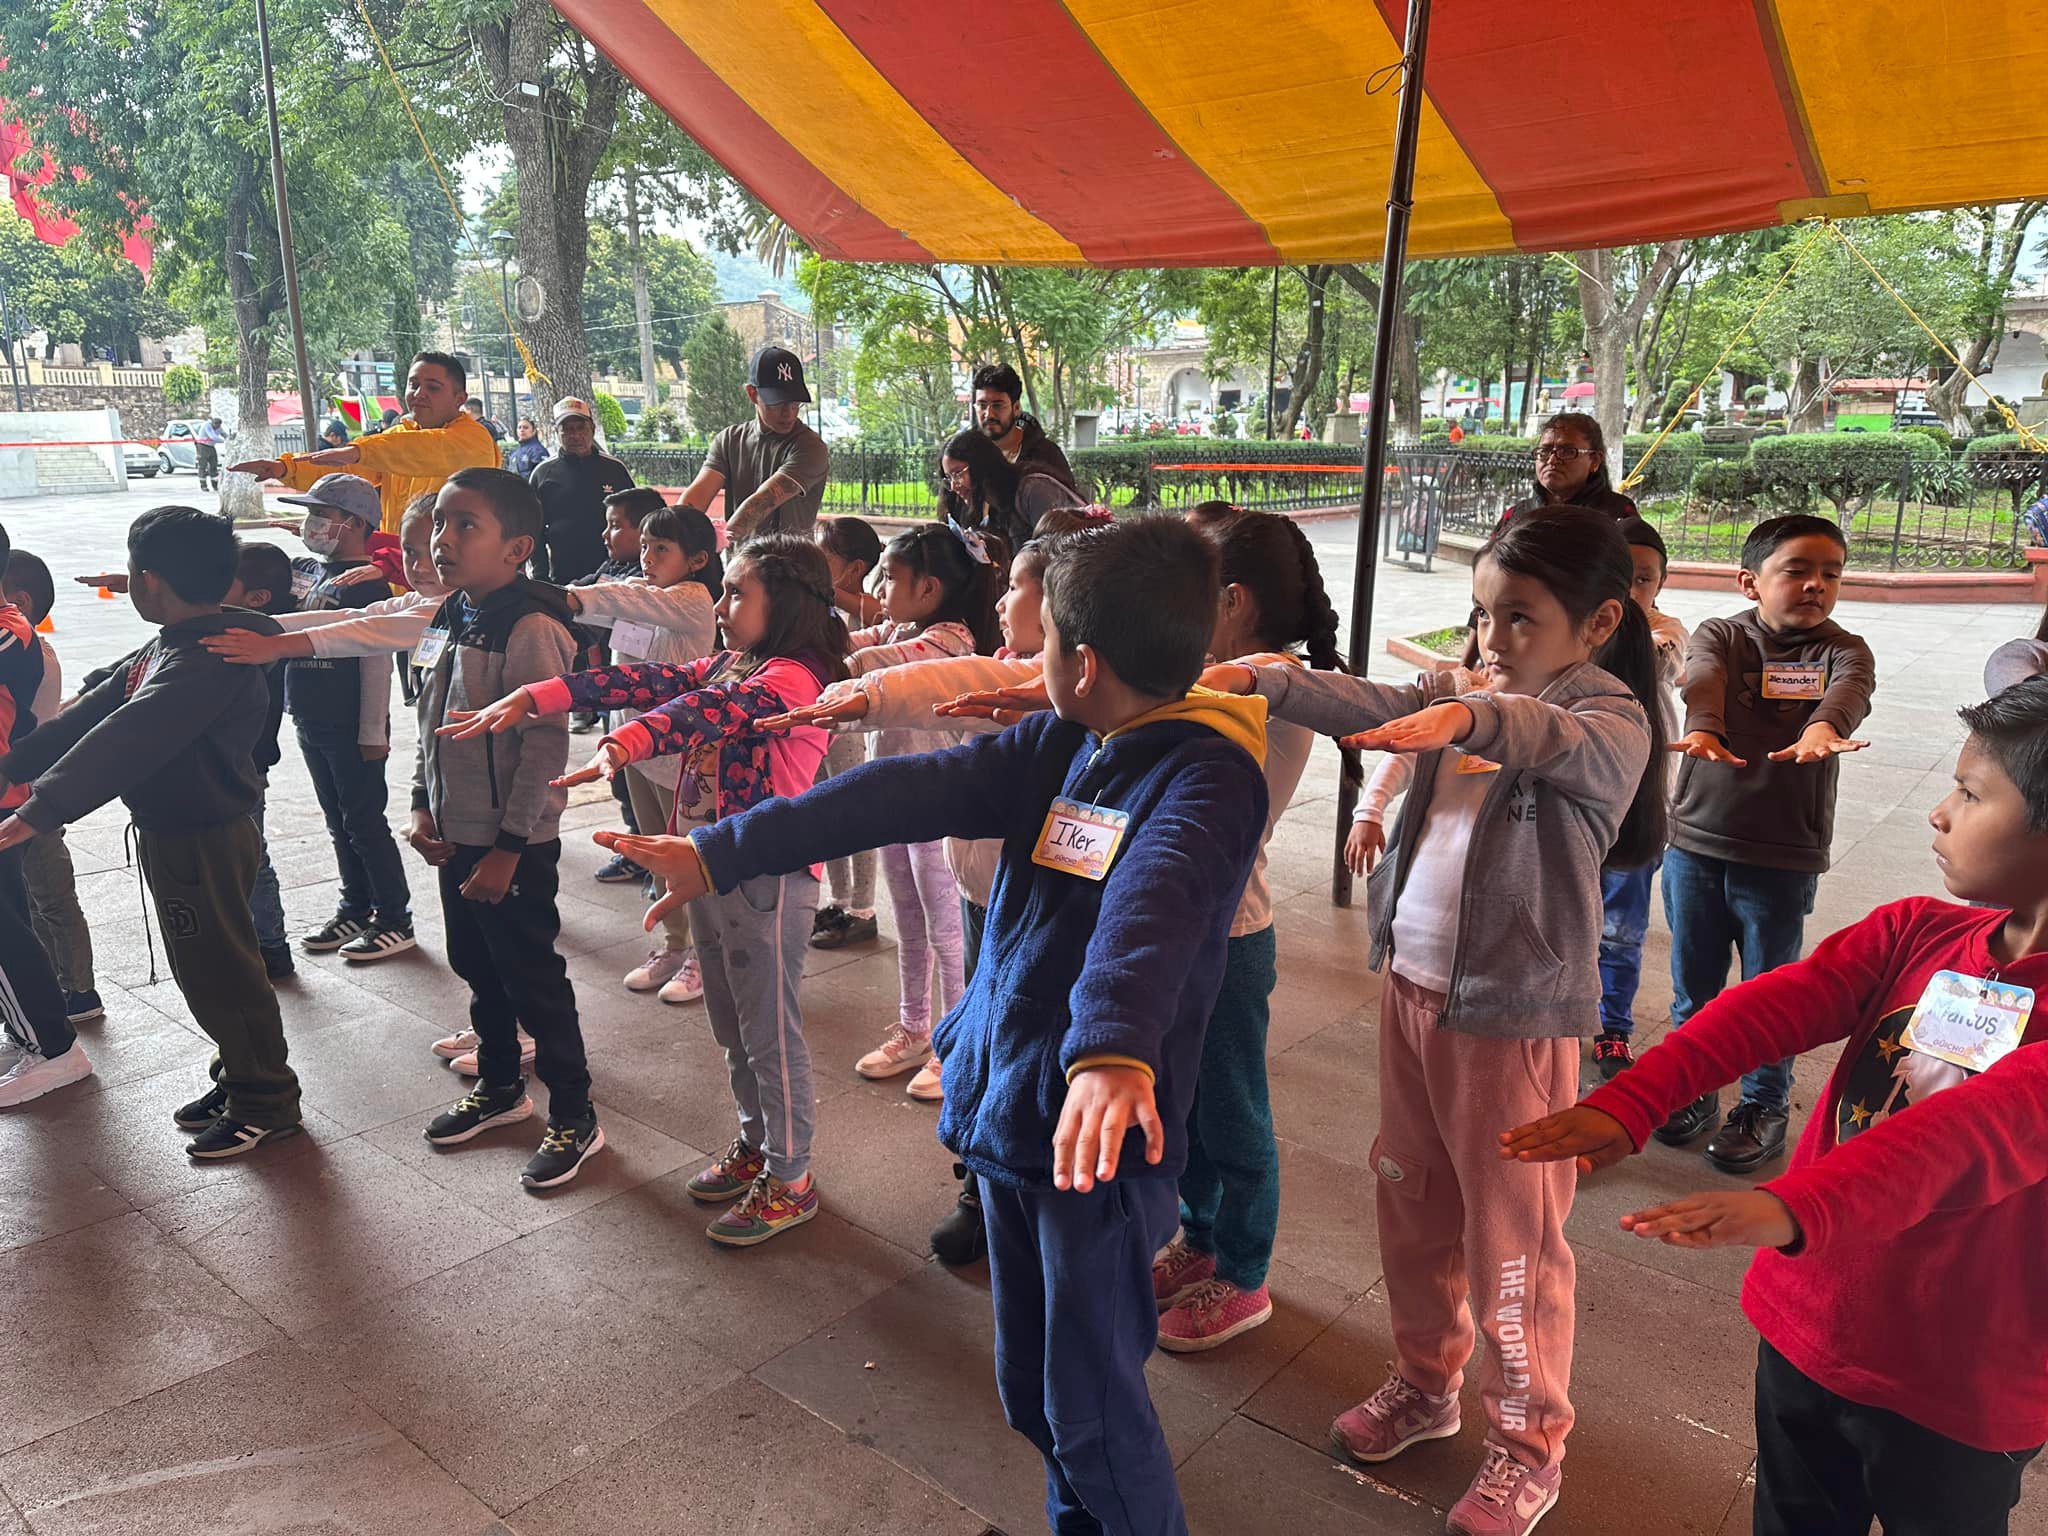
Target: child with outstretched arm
{"type": "Point", "coordinates": [1899, 1373]}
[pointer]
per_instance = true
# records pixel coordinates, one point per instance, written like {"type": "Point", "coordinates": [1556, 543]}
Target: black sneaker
{"type": "Point", "coordinates": [1754, 1134]}
{"type": "Point", "coordinates": [828, 918]}
{"type": "Point", "coordinates": [619, 870]}
{"type": "Point", "coordinates": [277, 962]}
{"type": "Point", "coordinates": [202, 1111]}
{"type": "Point", "coordinates": [961, 1239]}
{"type": "Point", "coordinates": [477, 1111]}
{"type": "Point", "coordinates": [851, 929]}
{"type": "Point", "coordinates": [379, 940]}
{"type": "Point", "coordinates": [231, 1138]}
{"type": "Point", "coordinates": [562, 1152]}
{"type": "Point", "coordinates": [83, 1007]}
{"type": "Point", "coordinates": [1611, 1055]}
{"type": "Point", "coordinates": [332, 934]}
{"type": "Point", "coordinates": [1691, 1122]}
{"type": "Point", "coordinates": [582, 723]}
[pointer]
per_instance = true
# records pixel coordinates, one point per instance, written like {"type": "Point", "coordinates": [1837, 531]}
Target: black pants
{"type": "Point", "coordinates": [1825, 1466]}
{"type": "Point", "coordinates": [507, 955]}
{"type": "Point", "coordinates": [31, 1002]}
{"type": "Point", "coordinates": [352, 796]}
{"type": "Point", "coordinates": [206, 464]}
{"type": "Point", "coordinates": [199, 883]}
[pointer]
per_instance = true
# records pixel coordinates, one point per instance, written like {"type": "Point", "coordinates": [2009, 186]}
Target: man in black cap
{"type": "Point", "coordinates": [772, 469]}
{"type": "Point", "coordinates": [572, 487]}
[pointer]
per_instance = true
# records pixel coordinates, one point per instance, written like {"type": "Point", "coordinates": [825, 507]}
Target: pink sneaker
{"type": "Point", "coordinates": [1215, 1312]}
{"type": "Point", "coordinates": [899, 1053]}
{"type": "Point", "coordinates": [466, 1062]}
{"type": "Point", "coordinates": [1391, 1420]}
{"type": "Point", "coordinates": [1177, 1273]}
{"type": "Point", "coordinates": [1505, 1499]}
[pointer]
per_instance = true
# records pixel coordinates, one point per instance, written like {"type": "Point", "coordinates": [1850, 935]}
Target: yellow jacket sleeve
{"type": "Point", "coordinates": [297, 475]}
{"type": "Point", "coordinates": [429, 453]}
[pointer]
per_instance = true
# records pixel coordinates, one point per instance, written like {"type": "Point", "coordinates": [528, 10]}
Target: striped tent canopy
{"type": "Point", "coordinates": [1244, 132]}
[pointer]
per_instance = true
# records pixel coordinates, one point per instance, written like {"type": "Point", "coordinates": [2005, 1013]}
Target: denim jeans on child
{"type": "Point", "coordinates": [352, 795]}
{"type": "Point", "coordinates": [1230, 1190]}
{"type": "Point", "coordinates": [266, 898]}
{"type": "Point", "coordinates": [1716, 907]}
{"type": "Point", "coordinates": [1625, 919]}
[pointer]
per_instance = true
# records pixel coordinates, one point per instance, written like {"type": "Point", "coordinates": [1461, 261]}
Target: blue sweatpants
{"type": "Point", "coordinates": [1071, 1276]}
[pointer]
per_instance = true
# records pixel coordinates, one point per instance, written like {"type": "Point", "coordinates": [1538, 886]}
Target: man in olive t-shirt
{"type": "Point", "coordinates": [772, 469]}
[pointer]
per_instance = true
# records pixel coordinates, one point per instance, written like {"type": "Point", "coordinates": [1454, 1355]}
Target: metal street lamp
{"type": "Point", "coordinates": [504, 241]}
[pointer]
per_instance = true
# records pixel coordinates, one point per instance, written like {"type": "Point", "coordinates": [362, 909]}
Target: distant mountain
{"type": "Point", "coordinates": [742, 277]}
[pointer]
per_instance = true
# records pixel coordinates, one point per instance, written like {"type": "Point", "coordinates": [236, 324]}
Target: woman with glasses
{"type": "Point", "coordinates": [979, 488]}
{"type": "Point", "coordinates": [1571, 469]}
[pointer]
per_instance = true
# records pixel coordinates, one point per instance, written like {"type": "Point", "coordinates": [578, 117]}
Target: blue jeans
{"type": "Point", "coordinates": [1625, 918]}
{"type": "Point", "coordinates": [352, 797]}
{"type": "Point", "coordinates": [1716, 906]}
{"type": "Point", "coordinates": [1230, 1190]}
{"type": "Point", "coordinates": [266, 900]}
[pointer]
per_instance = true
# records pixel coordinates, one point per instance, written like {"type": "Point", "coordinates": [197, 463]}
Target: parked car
{"type": "Point", "coordinates": [179, 448]}
{"type": "Point", "coordinates": [141, 460]}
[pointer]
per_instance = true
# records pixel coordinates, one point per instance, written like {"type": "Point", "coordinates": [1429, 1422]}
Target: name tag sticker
{"type": "Point", "coordinates": [634, 640]}
{"type": "Point", "coordinates": [1969, 1022]}
{"type": "Point", "coordinates": [1467, 763]}
{"type": "Point", "coordinates": [1080, 839]}
{"type": "Point", "coordinates": [427, 653]}
{"type": "Point", "coordinates": [1795, 679]}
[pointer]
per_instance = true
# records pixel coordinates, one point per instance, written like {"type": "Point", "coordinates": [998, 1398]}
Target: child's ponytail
{"type": "Point", "coordinates": [1581, 557]}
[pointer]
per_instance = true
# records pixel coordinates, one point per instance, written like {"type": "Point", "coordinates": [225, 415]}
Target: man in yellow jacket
{"type": "Point", "coordinates": [411, 458]}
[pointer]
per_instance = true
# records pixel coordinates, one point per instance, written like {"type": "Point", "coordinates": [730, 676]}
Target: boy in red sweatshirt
{"type": "Point", "coordinates": [1900, 1371]}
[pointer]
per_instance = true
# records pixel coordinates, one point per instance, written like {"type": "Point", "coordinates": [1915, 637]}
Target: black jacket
{"type": "Point", "coordinates": [173, 734]}
{"type": "Point", "coordinates": [1612, 502]}
{"type": "Point", "coordinates": [1040, 453]}
{"type": "Point", "coordinates": [572, 493]}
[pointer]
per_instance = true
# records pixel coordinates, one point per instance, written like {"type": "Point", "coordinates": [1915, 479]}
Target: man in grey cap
{"type": "Point", "coordinates": [340, 707]}
{"type": "Point", "coordinates": [772, 469]}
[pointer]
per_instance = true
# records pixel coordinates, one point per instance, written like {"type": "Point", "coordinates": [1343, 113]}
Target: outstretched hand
{"type": "Point", "coordinates": [110, 581]}
{"type": "Point", "coordinates": [1102, 1104]}
{"type": "Point", "coordinates": [246, 648]}
{"type": "Point", "coordinates": [1734, 1218]}
{"type": "Point", "coordinates": [1427, 730]}
{"type": "Point", "coordinates": [1005, 706]}
{"type": "Point", "coordinates": [848, 707]}
{"type": "Point", "coordinates": [262, 469]}
{"type": "Point", "coordinates": [607, 760]}
{"type": "Point", "coordinates": [1816, 744]}
{"type": "Point", "coordinates": [1707, 747]}
{"type": "Point", "coordinates": [1592, 1137]}
{"type": "Point", "coordinates": [495, 719]}
{"type": "Point", "coordinates": [672, 858]}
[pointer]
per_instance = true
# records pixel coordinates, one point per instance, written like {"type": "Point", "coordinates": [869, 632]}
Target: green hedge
{"type": "Point", "coordinates": [1849, 469]}
{"type": "Point", "coordinates": [1670, 472]}
{"type": "Point", "coordinates": [1726, 481]}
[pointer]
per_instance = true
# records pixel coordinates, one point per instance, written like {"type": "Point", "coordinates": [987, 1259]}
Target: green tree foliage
{"type": "Point", "coordinates": [715, 363]}
{"type": "Point", "coordinates": [79, 294]}
{"type": "Point", "coordinates": [184, 385]}
{"type": "Point", "coordinates": [682, 290]}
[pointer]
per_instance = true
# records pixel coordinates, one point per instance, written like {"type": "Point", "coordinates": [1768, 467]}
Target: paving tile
{"type": "Point", "coordinates": [1328, 1228]}
{"type": "Point", "coordinates": [310, 1240]}
{"type": "Point", "coordinates": [269, 1443]}
{"type": "Point", "coordinates": [1326, 1092]}
{"type": "Point", "coordinates": [48, 1190]}
{"type": "Point", "coordinates": [376, 1069]}
{"type": "Point", "coordinates": [879, 1163]}
{"type": "Point", "coordinates": [720, 1469]}
{"type": "Point", "coordinates": [517, 1369]}
{"type": "Point", "coordinates": [912, 1373]}
{"type": "Point", "coordinates": [1303, 1306]}
{"type": "Point", "coordinates": [104, 1315]}
{"type": "Point", "coordinates": [633, 1154]}
{"type": "Point", "coordinates": [1247, 1478]}
{"type": "Point", "coordinates": [649, 1245]}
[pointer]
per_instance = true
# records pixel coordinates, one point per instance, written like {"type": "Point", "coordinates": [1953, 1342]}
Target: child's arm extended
{"type": "Point", "coordinates": [1852, 679]}
{"type": "Point", "coordinates": [1330, 703]}
{"type": "Point", "coordinates": [1594, 754]}
{"type": "Point", "coordinates": [636, 685]}
{"type": "Point", "coordinates": [941, 640]}
{"type": "Point", "coordinates": [685, 608]}
{"type": "Point", "coordinates": [902, 698]}
{"type": "Point", "coordinates": [387, 625]}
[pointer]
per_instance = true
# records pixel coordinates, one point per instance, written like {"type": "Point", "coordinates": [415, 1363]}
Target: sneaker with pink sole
{"type": "Point", "coordinates": [1214, 1313]}
{"type": "Point", "coordinates": [926, 1087]}
{"type": "Point", "coordinates": [462, 1043]}
{"type": "Point", "coordinates": [1397, 1416]}
{"type": "Point", "coordinates": [1178, 1272]}
{"type": "Point", "coordinates": [897, 1054]}
{"type": "Point", "coordinates": [687, 985]}
{"type": "Point", "coordinates": [466, 1062]}
{"type": "Point", "coordinates": [1505, 1499]}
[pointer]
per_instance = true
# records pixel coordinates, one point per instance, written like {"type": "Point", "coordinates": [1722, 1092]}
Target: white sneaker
{"type": "Point", "coordinates": [466, 1063]}
{"type": "Point", "coordinates": [655, 970]}
{"type": "Point", "coordinates": [925, 1087]}
{"type": "Point", "coordinates": [687, 985]}
{"type": "Point", "coordinates": [462, 1043]}
{"type": "Point", "coordinates": [895, 1056]}
{"type": "Point", "coordinates": [31, 1076]}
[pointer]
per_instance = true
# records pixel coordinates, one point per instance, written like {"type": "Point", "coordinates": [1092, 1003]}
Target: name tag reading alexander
{"type": "Point", "coordinates": [1080, 839]}
{"type": "Point", "coordinates": [1969, 1022]}
{"type": "Point", "coordinates": [427, 653]}
{"type": "Point", "coordinates": [1795, 679]}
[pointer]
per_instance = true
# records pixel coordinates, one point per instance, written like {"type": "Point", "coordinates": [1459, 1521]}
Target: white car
{"type": "Point", "coordinates": [141, 459]}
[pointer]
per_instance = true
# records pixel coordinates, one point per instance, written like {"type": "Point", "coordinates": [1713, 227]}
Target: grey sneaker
{"type": "Point", "coordinates": [1505, 1499]}
{"type": "Point", "coordinates": [1391, 1420]}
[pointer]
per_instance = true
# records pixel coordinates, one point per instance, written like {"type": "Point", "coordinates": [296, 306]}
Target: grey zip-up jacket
{"type": "Point", "coordinates": [493, 791]}
{"type": "Point", "coordinates": [1529, 915]}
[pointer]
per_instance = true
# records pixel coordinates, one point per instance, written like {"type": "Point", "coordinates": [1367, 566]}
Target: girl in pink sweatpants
{"type": "Point", "coordinates": [1487, 913]}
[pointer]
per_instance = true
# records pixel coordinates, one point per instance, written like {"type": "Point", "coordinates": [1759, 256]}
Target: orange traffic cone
{"type": "Point", "coordinates": [47, 627]}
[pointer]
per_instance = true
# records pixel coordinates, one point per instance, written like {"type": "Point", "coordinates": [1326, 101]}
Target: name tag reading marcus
{"type": "Point", "coordinates": [1968, 1022]}
{"type": "Point", "coordinates": [1080, 839]}
{"type": "Point", "coordinates": [428, 651]}
{"type": "Point", "coordinates": [1795, 679]}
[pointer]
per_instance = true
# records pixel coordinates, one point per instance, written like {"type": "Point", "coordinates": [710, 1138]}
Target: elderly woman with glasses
{"type": "Point", "coordinates": [1571, 469]}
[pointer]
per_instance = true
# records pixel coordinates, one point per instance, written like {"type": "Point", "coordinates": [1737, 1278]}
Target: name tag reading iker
{"type": "Point", "coordinates": [1968, 1022]}
{"type": "Point", "coordinates": [427, 653]}
{"type": "Point", "coordinates": [1080, 839]}
{"type": "Point", "coordinates": [1795, 679]}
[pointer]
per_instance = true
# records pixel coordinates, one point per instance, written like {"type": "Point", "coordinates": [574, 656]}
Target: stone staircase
{"type": "Point", "coordinates": [62, 471]}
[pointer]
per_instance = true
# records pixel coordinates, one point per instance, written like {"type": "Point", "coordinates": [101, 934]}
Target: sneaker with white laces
{"type": "Point", "coordinates": [896, 1055]}
{"type": "Point", "coordinates": [687, 985]}
{"type": "Point", "coordinates": [655, 970]}
{"type": "Point", "coordinates": [462, 1043]}
{"type": "Point", "coordinates": [1505, 1499]}
{"type": "Point", "coordinates": [1397, 1416]}
{"type": "Point", "coordinates": [30, 1075]}
{"type": "Point", "coordinates": [466, 1063]}
{"type": "Point", "coordinates": [926, 1087]}
{"type": "Point", "coordinates": [332, 934]}
{"type": "Point", "coordinates": [1179, 1271]}
{"type": "Point", "coordinates": [1214, 1313]}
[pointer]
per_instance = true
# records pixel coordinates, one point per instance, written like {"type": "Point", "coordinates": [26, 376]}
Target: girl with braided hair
{"type": "Point", "coordinates": [784, 642]}
{"type": "Point", "coordinates": [1211, 1281]}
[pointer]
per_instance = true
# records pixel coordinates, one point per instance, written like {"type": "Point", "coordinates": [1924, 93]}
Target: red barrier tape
{"type": "Point", "coordinates": [105, 442]}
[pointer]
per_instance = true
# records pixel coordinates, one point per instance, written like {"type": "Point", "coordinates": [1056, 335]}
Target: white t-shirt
{"type": "Point", "coordinates": [1425, 930]}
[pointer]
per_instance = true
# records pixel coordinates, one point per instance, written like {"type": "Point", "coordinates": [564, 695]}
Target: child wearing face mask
{"type": "Point", "coordinates": [324, 696]}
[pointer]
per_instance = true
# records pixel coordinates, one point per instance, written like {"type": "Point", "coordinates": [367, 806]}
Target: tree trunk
{"type": "Point", "coordinates": [1539, 328]}
{"type": "Point", "coordinates": [1308, 362]}
{"type": "Point", "coordinates": [1807, 409]}
{"type": "Point", "coordinates": [1999, 255]}
{"type": "Point", "coordinates": [241, 497]}
{"type": "Point", "coordinates": [1405, 380]}
{"type": "Point", "coordinates": [1612, 325]}
{"type": "Point", "coordinates": [643, 309]}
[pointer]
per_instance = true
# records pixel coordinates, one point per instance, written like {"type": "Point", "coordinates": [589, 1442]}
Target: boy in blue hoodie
{"type": "Point", "coordinates": [1129, 818]}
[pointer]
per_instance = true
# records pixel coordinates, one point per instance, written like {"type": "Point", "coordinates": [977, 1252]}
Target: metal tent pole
{"type": "Point", "coordinates": [1400, 197]}
{"type": "Point", "coordinates": [1272, 356]}
{"type": "Point", "coordinates": [311, 429]}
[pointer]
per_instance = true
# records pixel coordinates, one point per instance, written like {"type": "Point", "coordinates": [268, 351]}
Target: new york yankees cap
{"type": "Point", "coordinates": [777, 375]}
